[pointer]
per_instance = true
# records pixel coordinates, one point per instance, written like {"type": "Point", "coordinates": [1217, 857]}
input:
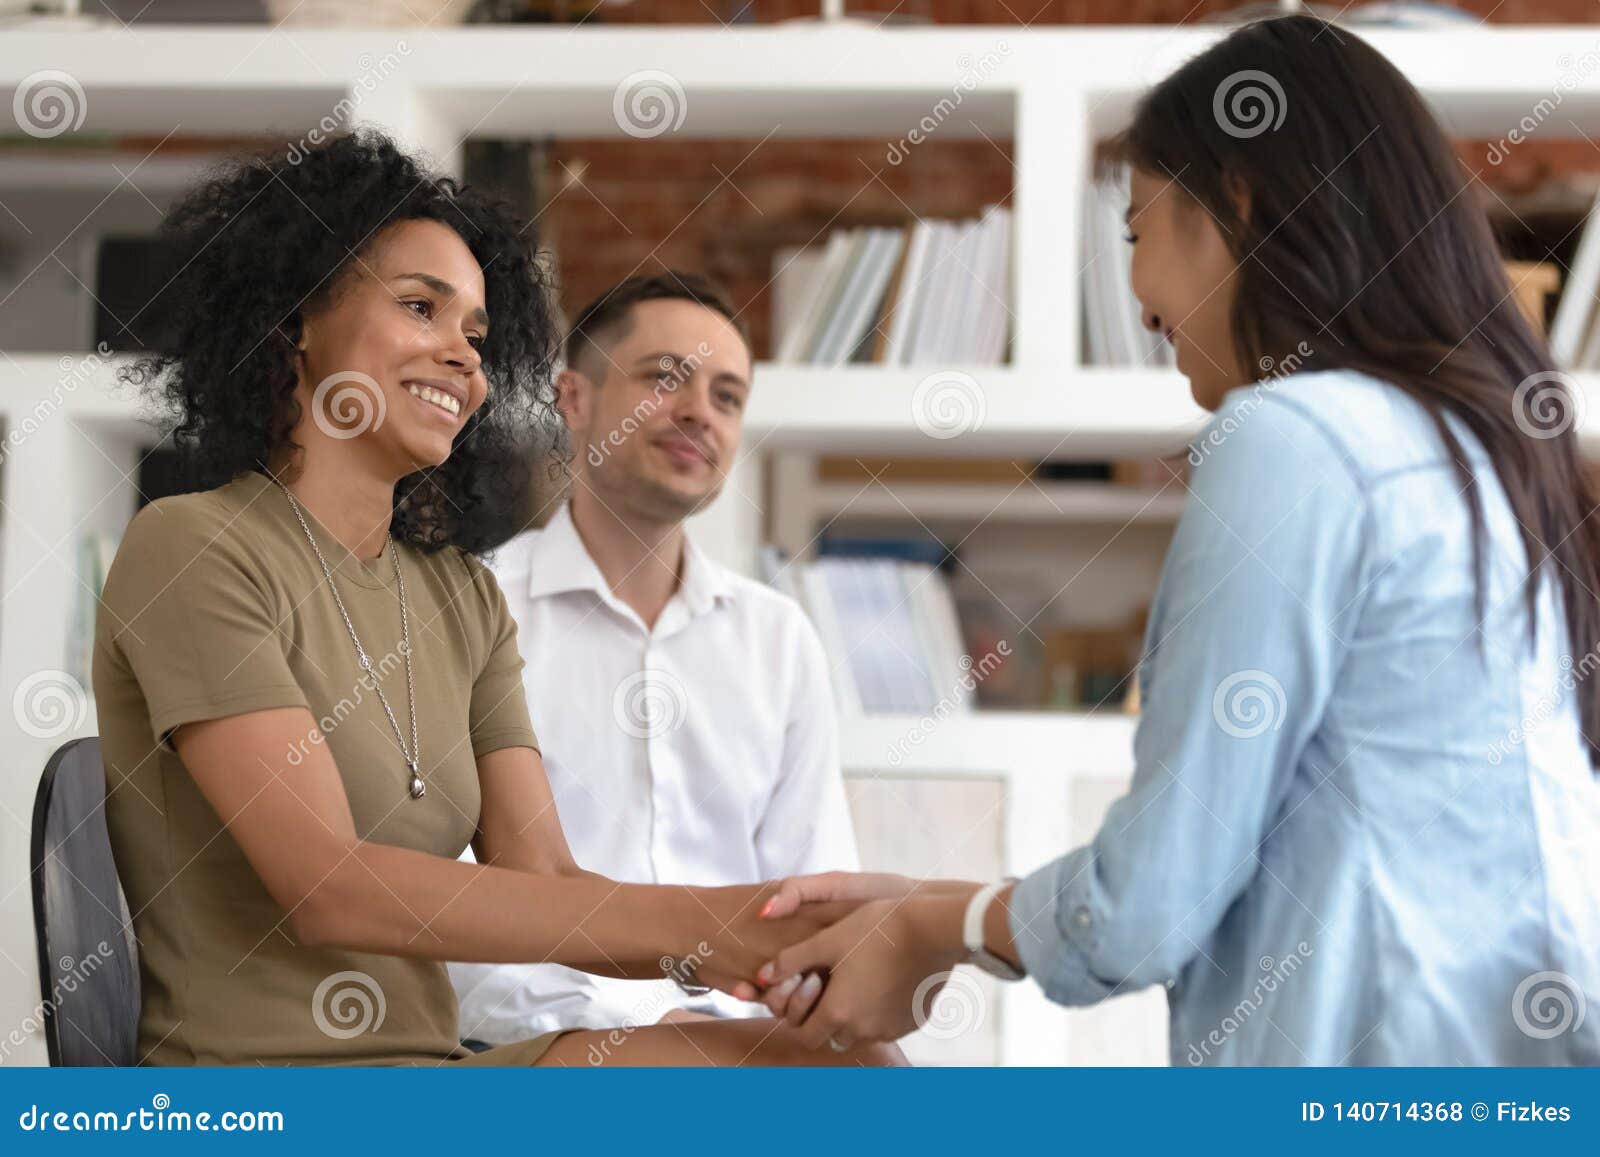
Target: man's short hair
{"type": "Point", "coordinates": [605, 319]}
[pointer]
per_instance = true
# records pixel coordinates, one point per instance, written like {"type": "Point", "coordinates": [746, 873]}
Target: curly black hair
{"type": "Point", "coordinates": [263, 237]}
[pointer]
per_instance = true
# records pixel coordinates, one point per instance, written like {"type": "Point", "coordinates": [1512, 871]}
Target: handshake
{"type": "Point", "coordinates": [844, 957]}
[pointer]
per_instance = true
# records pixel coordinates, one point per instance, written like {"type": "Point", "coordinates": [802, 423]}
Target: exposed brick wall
{"type": "Point", "coordinates": [618, 208]}
{"type": "Point", "coordinates": [724, 207]}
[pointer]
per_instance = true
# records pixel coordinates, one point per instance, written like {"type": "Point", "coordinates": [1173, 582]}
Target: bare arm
{"type": "Point", "coordinates": [518, 826]}
{"type": "Point", "coordinates": [293, 823]}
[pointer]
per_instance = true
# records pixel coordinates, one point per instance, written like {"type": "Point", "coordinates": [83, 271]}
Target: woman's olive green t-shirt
{"type": "Point", "coordinates": [215, 605]}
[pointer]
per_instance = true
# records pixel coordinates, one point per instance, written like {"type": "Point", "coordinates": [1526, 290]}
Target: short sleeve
{"type": "Point", "coordinates": [499, 713]}
{"type": "Point", "coordinates": [185, 612]}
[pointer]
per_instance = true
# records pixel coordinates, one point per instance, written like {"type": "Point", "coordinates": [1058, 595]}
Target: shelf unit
{"type": "Point", "coordinates": [1057, 772]}
{"type": "Point", "coordinates": [1027, 500]}
{"type": "Point", "coordinates": [1053, 92]}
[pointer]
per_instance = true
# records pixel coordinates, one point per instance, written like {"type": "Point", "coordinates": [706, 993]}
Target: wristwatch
{"type": "Point", "coordinates": [972, 933]}
{"type": "Point", "coordinates": [682, 973]}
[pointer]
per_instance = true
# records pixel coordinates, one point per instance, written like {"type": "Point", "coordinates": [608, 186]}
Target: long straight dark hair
{"type": "Point", "coordinates": [1364, 240]}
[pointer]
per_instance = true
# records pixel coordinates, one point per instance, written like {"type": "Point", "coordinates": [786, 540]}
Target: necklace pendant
{"type": "Point", "coordinates": [418, 788]}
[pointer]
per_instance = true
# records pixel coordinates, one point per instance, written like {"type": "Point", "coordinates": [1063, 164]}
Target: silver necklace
{"type": "Point", "coordinates": [412, 757]}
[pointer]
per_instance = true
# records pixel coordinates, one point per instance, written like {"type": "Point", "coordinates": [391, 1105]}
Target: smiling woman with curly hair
{"type": "Point", "coordinates": [308, 683]}
{"type": "Point", "coordinates": [257, 248]}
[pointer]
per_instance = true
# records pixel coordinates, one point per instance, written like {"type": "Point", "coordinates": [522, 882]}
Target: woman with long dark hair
{"type": "Point", "coordinates": [308, 684]}
{"type": "Point", "coordinates": [1364, 823]}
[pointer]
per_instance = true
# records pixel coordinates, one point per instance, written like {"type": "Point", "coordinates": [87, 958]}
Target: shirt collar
{"type": "Point", "coordinates": [561, 563]}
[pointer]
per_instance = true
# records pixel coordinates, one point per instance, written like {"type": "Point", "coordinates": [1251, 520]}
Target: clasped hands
{"type": "Point", "coordinates": [845, 958]}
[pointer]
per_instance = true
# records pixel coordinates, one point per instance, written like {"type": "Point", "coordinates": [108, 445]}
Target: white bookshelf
{"type": "Point", "coordinates": [1023, 500]}
{"type": "Point", "coordinates": [1052, 92]}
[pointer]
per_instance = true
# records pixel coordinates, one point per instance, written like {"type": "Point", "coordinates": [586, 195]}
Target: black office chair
{"type": "Point", "coordinates": [91, 993]}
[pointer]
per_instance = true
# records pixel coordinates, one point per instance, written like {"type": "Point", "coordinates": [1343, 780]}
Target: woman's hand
{"type": "Point", "coordinates": [885, 964]}
{"type": "Point", "coordinates": [792, 999]}
{"type": "Point", "coordinates": [740, 932]}
{"type": "Point", "coordinates": [829, 886]}
{"type": "Point", "coordinates": [824, 887]}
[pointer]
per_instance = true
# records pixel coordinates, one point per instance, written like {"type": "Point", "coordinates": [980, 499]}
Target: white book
{"type": "Point", "coordinates": [818, 601]}
{"type": "Point", "coordinates": [862, 246]}
{"type": "Point", "coordinates": [994, 343]}
{"type": "Point", "coordinates": [959, 299]}
{"type": "Point", "coordinates": [909, 297]}
{"type": "Point", "coordinates": [794, 282]}
{"type": "Point", "coordinates": [961, 305]}
{"type": "Point", "coordinates": [856, 246]}
{"type": "Point", "coordinates": [856, 631]}
{"type": "Point", "coordinates": [860, 303]}
{"type": "Point", "coordinates": [799, 340]}
{"type": "Point", "coordinates": [922, 628]}
{"type": "Point", "coordinates": [945, 645]}
{"type": "Point", "coordinates": [926, 321]}
{"type": "Point", "coordinates": [923, 585]}
{"type": "Point", "coordinates": [864, 632]}
{"type": "Point", "coordinates": [1096, 349]}
{"type": "Point", "coordinates": [904, 648]}
{"type": "Point", "coordinates": [994, 307]}
{"type": "Point", "coordinates": [934, 341]}
{"type": "Point", "coordinates": [863, 243]}
{"type": "Point", "coordinates": [862, 332]}
{"type": "Point", "coordinates": [1575, 307]}
{"type": "Point", "coordinates": [876, 620]}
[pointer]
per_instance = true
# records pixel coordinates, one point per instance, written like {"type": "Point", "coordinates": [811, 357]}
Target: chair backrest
{"type": "Point", "coordinates": [88, 961]}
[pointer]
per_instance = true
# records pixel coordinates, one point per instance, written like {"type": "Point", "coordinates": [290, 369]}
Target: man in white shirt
{"type": "Point", "coordinates": [683, 711]}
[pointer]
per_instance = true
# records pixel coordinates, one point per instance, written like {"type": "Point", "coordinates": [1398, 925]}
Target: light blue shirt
{"type": "Point", "coordinates": [1358, 832]}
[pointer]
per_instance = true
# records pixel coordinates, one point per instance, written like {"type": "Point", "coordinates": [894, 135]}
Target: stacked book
{"type": "Point", "coordinates": [890, 630]}
{"type": "Point", "coordinates": [932, 292]}
{"type": "Point", "coordinates": [1113, 324]}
